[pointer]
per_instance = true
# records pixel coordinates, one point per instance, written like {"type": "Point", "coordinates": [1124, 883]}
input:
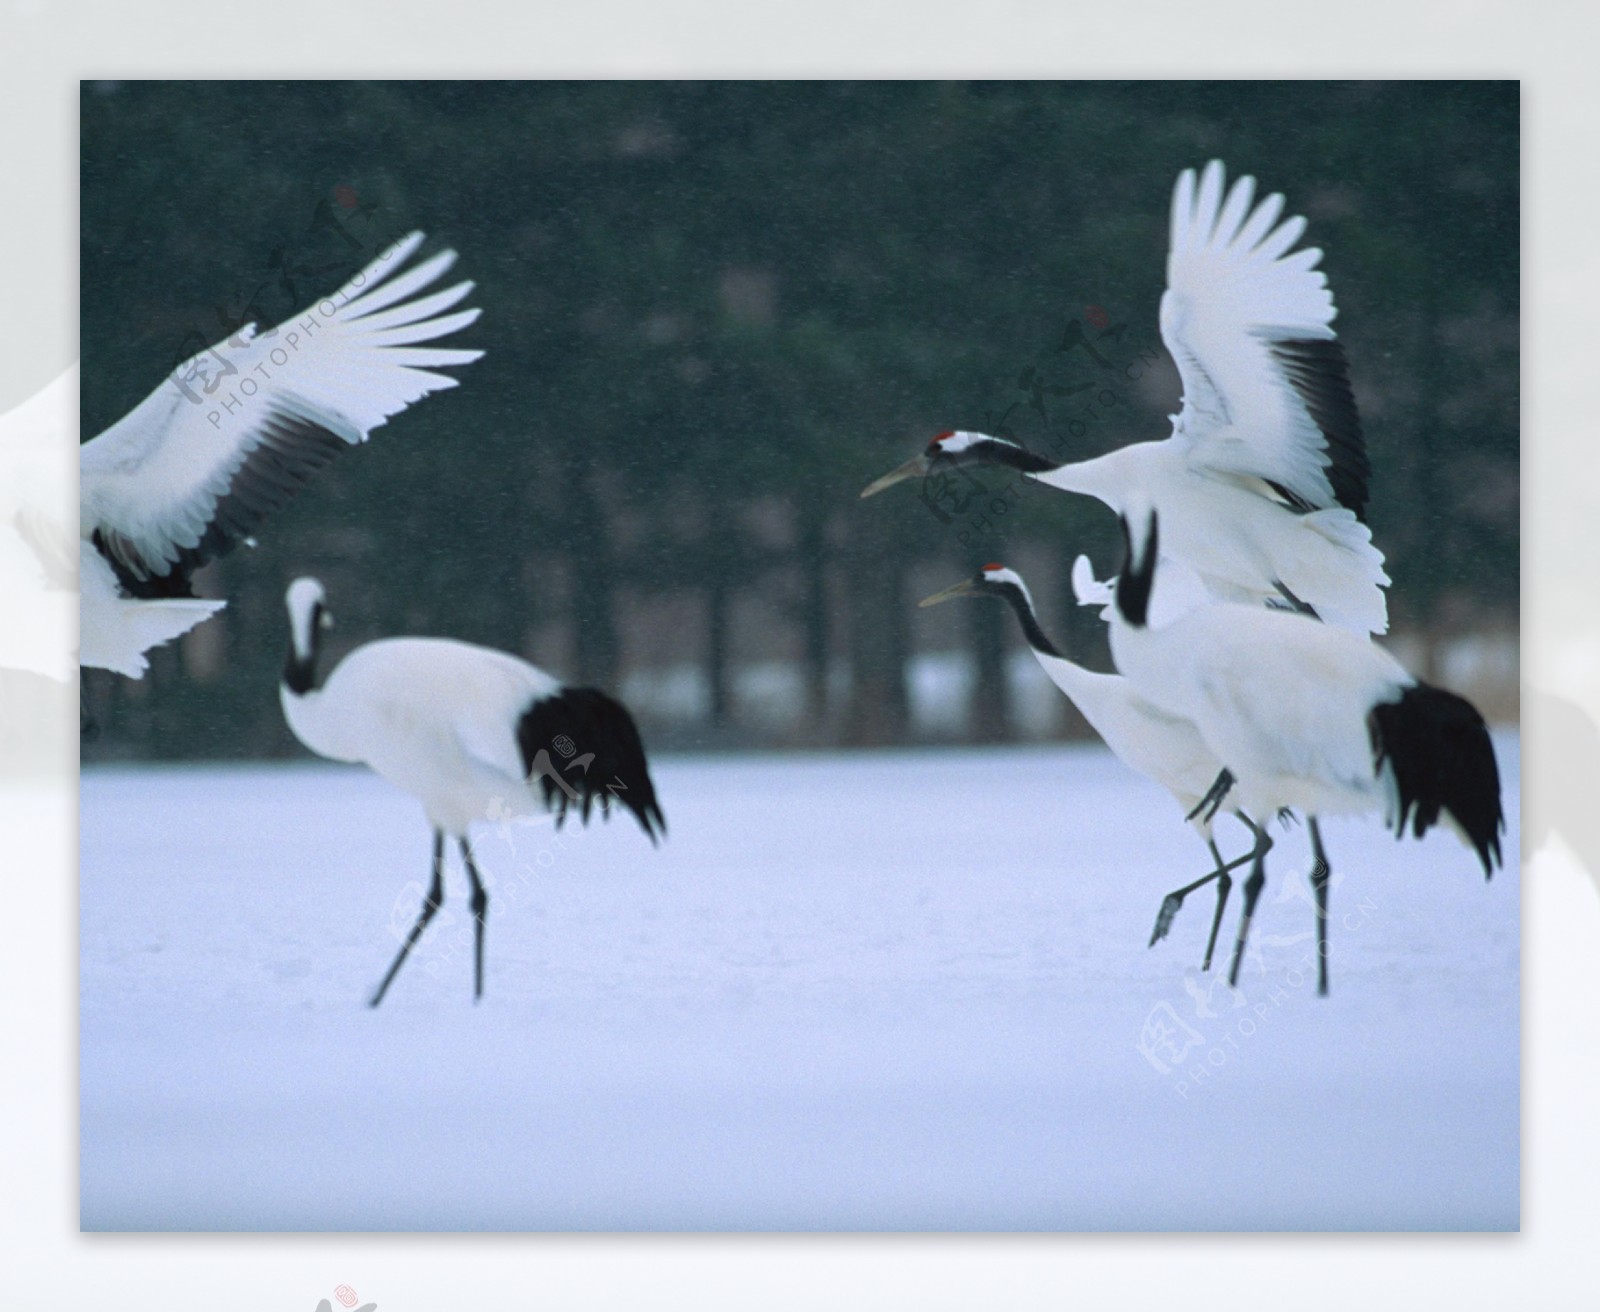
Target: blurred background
{"type": "Point", "coordinates": [714, 311]}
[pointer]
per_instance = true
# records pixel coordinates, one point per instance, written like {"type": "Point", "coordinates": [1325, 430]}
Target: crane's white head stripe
{"type": "Point", "coordinates": [954, 443]}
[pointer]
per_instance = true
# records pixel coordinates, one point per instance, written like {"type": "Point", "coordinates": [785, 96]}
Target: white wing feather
{"type": "Point", "coordinates": [163, 478]}
{"type": "Point", "coordinates": [1234, 292]}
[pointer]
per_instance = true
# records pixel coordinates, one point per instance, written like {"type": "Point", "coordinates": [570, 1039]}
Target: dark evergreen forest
{"type": "Point", "coordinates": [713, 311]}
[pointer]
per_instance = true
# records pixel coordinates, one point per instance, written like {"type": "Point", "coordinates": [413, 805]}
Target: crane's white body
{"type": "Point", "coordinates": [1281, 700]}
{"type": "Point", "coordinates": [1158, 744]}
{"type": "Point", "coordinates": [1238, 537]}
{"type": "Point", "coordinates": [230, 435]}
{"type": "Point", "coordinates": [435, 717]}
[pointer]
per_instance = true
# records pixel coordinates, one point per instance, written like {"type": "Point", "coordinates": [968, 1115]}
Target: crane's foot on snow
{"type": "Point", "coordinates": [1169, 909]}
{"type": "Point", "coordinates": [1174, 900]}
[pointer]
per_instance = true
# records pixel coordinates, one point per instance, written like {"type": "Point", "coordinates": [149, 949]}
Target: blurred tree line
{"type": "Point", "coordinates": [713, 311]}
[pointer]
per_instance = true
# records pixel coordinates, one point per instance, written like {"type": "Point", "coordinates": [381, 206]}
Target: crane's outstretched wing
{"type": "Point", "coordinates": [1266, 391]}
{"type": "Point", "coordinates": [237, 430]}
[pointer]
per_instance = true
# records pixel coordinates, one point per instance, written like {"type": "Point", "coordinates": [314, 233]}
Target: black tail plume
{"type": "Point", "coordinates": [1438, 748]}
{"type": "Point", "coordinates": [585, 748]}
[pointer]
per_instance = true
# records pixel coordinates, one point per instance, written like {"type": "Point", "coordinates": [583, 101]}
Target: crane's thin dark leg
{"type": "Point", "coordinates": [1252, 891]}
{"type": "Point", "coordinates": [1224, 887]}
{"type": "Point", "coordinates": [1174, 899]}
{"type": "Point", "coordinates": [480, 910]}
{"type": "Point", "coordinates": [1319, 885]}
{"type": "Point", "coordinates": [429, 906]}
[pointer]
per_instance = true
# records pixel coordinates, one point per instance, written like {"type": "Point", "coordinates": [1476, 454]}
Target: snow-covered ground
{"type": "Point", "coordinates": [887, 991]}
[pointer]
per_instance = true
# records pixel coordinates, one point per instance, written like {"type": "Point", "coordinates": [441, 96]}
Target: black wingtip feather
{"type": "Point", "coordinates": [1317, 370]}
{"type": "Point", "coordinates": [585, 747]}
{"type": "Point", "coordinates": [291, 452]}
{"type": "Point", "coordinates": [1438, 747]}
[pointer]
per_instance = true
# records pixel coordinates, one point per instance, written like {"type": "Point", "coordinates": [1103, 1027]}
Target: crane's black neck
{"type": "Point", "coordinates": [1137, 578]}
{"type": "Point", "coordinates": [300, 669]}
{"type": "Point", "coordinates": [1036, 636]}
{"type": "Point", "coordinates": [993, 451]}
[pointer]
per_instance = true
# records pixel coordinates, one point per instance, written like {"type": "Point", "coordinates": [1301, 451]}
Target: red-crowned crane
{"type": "Point", "coordinates": [470, 732]}
{"type": "Point", "coordinates": [1159, 745]}
{"type": "Point", "coordinates": [1263, 483]}
{"type": "Point", "coordinates": [1306, 716]}
{"type": "Point", "coordinates": [235, 432]}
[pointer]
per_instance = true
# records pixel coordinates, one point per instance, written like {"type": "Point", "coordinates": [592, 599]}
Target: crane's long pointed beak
{"type": "Point", "coordinates": [963, 589]}
{"type": "Point", "coordinates": [913, 468]}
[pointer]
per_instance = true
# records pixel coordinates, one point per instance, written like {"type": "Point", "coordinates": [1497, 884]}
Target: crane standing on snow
{"type": "Point", "coordinates": [466, 730]}
{"type": "Point", "coordinates": [1309, 717]}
